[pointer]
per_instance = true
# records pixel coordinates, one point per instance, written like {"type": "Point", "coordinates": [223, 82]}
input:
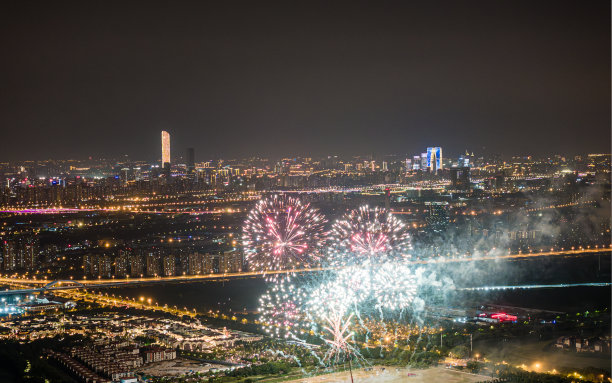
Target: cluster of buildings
{"type": "Point", "coordinates": [158, 262]}
{"type": "Point", "coordinates": [20, 252]}
{"type": "Point", "coordinates": [120, 347]}
{"type": "Point", "coordinates": [580, 344]}
{"type": "Point", "coordinates": [105, 361]}
{"type": "Point", "coordinates": [191, 336]}
{"type": "Point", "coordinates": [91, 182]}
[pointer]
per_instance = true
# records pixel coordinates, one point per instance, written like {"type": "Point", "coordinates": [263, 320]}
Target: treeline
{"type": "Point", "coordinates": [270, 368]}
{"type": "Point", "coordinates": [584, 375]}
{"type": "Point", "coordinates": [25, 363]}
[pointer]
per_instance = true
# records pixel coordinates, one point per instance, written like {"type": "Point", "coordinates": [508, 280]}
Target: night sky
{"type": "Point", "coordinates": [235, 79]}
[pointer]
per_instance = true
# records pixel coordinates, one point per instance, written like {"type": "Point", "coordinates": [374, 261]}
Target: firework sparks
{"type": "Point", "coordinates": [368, 233]}
{"type": "Point", "coordinates": [280, 310]}
{"type": "Point", "coordinates": [337, 328]}
{"type": "Point", "coordinates": [281, 233]}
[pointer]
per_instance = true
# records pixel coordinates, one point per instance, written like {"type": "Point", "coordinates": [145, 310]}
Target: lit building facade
{"type": "Point", "coordinates": [165, 141]}
{"type": "Point", "coordinates": [434, 158]}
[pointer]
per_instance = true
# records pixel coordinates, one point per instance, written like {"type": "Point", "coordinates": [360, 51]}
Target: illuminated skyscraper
{"type": "Point", "coordinates": [165, 141]}
{"type": "Point", "coordinates": [424, 165]}
{"type": "Point", "coordinates": [434, 158]}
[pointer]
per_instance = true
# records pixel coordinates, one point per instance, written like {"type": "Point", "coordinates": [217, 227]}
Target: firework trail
{"type": "Point", "coordinates": [282, 233]}
{"type": "Point", "coordinates": [367, 233]}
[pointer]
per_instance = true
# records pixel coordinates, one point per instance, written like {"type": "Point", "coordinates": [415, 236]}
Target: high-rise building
{"type": "Point", "coordinates": [208, 264]}
{"type": "Point", "coordinates": [230, 262]}
{"type": "Point", "coordinates": [195, 264]}
{"type": "Point", "coordinates": [416, 162]}
{"type": "Point", "coordinates": [465, 160]}
{"type": "Point", "coordinates": [90, 264]}
{"type": "Point", "coordinates": [165, 141]}
{"type": "Point", "coordinates": [9, 255]}
{"type": "Point", "coordinates": [20, 253]}
{"type": "Point", "coordinates": [153, 262]}
{"type": "Point", "coordinates": [136, 265]}
{"type": "Point", "coordinates": [434, 158]}
{"type": "Point", "coordinates": [460, 178]}
{"type": "Point", "coordinates": [122, 263]}
{"type": "Point", "coordinates": [424, 166]}
{"type": "Point", "coordinates": [190, 160]}
{"type": "Point", "coordinates": [29, 253]}
{"type": "Point", "coordinates": [104, 266]}
{"type": "Point", "coordinates": [169, 268]}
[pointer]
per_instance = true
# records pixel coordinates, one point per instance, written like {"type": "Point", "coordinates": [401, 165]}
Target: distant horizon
{"type": "Point", "coordinates": [119, 158]}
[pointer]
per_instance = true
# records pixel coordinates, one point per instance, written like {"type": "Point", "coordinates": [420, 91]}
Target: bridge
{"type": "Point", "coordinates": [45, 285]}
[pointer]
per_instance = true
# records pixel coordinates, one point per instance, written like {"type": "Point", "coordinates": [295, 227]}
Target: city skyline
{"type": "Point", "coordinates": [505, 77]}
{"type": "Point", "coordinates": [424, 155]}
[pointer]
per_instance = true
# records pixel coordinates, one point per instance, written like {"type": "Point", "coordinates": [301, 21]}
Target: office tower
{"type": "Point", "coordinates": [138, 174]}
{"type": "Point", "coordinates": [408, 164]}
{"type": "Point", "coordinates": [416, 162]}
{"type": "Point", "coordinates": [464, 160]}
{"type": "Point", "coordinates": [165, 141]}
{"type": "Point", "coordinates": [385, 166]}
{"type": "Point", "coordinates": [424, 166]}
{"type": "Point", "coordinates": [125, 174]}
{"type": "Point", "coordinates": [434, 158]}
{"type": "Point", "coordinates": [190, 160]}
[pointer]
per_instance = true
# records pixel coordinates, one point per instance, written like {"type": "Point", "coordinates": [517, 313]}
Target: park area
{"type": "Point", "coordinates": [378, 374]}
{"type": "Point", "coordinates": [178, 367]}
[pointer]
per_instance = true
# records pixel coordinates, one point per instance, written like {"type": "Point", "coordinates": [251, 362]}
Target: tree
{"type": "Point", "coordinates": [459, 352]}
{"type": "Point", "coordinates": [474, 366]}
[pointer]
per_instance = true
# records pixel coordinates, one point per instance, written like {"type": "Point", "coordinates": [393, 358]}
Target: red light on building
{"type": "Point", "coordinates": [503, 317]}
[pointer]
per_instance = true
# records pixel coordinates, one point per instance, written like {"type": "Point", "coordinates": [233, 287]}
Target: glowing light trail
{"type": "Point", "coordinates": [552, 286]}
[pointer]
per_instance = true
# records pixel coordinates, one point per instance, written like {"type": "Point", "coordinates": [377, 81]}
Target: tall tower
{"type": "Point", "coordinates": [434, 159]}
{"type": "Point", "coordinates": [165, 141]}
{"type": "Point", "coordinates": [190, 160]}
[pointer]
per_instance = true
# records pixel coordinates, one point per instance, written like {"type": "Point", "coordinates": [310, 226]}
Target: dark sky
{"type": "Point", "coordinates": [289, 77]}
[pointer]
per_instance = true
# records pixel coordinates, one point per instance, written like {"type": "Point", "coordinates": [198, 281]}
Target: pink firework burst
{"type": "Point", "coordinates": [282, 233]}
{"type": "Point", "coordinates": [367, 233]}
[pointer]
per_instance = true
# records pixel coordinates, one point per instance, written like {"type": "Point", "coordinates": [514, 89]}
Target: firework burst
{"type": "Point", "coordinates": [367, 233]}
{"type": "Point", "coordinates": [280, 310]}
{"type": "Point", "coordinates": [282, 233]}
